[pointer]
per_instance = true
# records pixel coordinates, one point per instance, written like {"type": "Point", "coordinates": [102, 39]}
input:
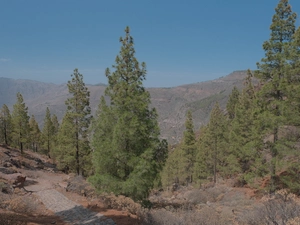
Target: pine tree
{"type": "Point", "coordinates": [213, 155]}
{"type": "Point", "coordinates": [188, 148]}
{"type": "Point", "coordinates": [77, 120]}
{"type": "Point", "coordinates": [243, 134]}
{"type": "Point", "coordinates": [20, 121]}
{"type": "Point", "coordinates": [233, 100]}
{"type": "Point", "coordinates": [35, 134]}
{"type": "Point", "coordinates": [56, 127]}
{"type": "Point", "coordinates": [273, 73]}
{"type": "Point", "coordinates": [6, 126]}
{"type": "Point", "coordinates": [48, 133]}
{"type": "Point", "coordinates": [290, 179]}
{"type": "Point", "coordinates": [65, 153]}
{"type": "Point", "coordinates": [294, 77]}
{"type": "Point", "coordinates": [55, 123]}
{"type": "Point", "coordinates": [203, 166]}
{"type": "Point", "coordinates": [170, 173]}
{"type": "Point", "coordinates": [217, 134]}
{"type": "Point", "coordinates": [128, 154]}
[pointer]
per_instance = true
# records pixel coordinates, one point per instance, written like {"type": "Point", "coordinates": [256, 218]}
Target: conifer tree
{"type": "Point", "coordinates": [6, 126]}
{"type": "Point", "coordinates": [290, 179]}
{"type": "Point", "coordinates": [65, 153]}
{"type": "Point", "coordinates": [243, 134]}
{"type": "Point", "coordinates": [48, 133]}
{"type": "Point", "coordinates": [232, 102]}
{"type": "Point", "coordinates": [188, 148]}
{"type": "Point", "coordinates": [74, 129]}
{"type": "Point", "coordinates": [55, 123]}
{"type": "Point", "coordinates": [171, 171]}
{"type": "Point", "coordinates": [128, 154]}
{"type": "Point", "coordinates": [20, 121]}
{"type": "Point", "coordinates": [216, 129]}
{"type": "Point", "coordinates": [35, 133]}
{"type": "Point", "coordinates": [214, 156]}
{"type": "Point", "coordinates": [294, 77]}
{"type": "Point", "coordinates": [180, 163]}
{"type": "Point", "coordinates": [56, 127]}
{"type": "Point", "coordinates": [273, 73]}
{"type": "Point", "coordinates": [203, 166]}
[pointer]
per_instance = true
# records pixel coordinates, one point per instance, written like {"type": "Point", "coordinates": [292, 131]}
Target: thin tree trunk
{"type": "Point", "coordinates": [215, 163]}
{"type": "Point", "coordinates": [273, 163]}
{"type": "Point", "coordinates": [21, 143]}
{"type": "Point", "coordinates": [5, 136]}
{"type": "Point", "coordinates": [77, 153]}
{"type": "Point", "coordinates": [48, 143]}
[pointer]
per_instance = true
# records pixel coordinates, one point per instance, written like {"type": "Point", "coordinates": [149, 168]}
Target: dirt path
{"type": "Point", "coordinates": [44, 187]}
{"type": "Point", "coordinates": [47, 201]}
{"type": "Point", "coordinates": [69, 211]}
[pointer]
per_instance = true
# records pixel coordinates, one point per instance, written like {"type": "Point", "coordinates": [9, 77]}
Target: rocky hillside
{"type": "Point", "coordinates": [171, 103]}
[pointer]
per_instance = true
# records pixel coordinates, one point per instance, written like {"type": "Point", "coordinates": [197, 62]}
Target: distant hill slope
{"type": "Point", "coordinates": [30, 89]}
{"type": "Point", "coordinates": [171, 103]}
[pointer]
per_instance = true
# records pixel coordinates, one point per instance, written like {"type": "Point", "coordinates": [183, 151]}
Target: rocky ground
{"type": "Point", "coordinates": [49, 196]}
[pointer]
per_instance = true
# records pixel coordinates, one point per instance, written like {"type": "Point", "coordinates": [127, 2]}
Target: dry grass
{"type": "Point", "coordinates": [22, 204]}
{"type": "Point", "coordinates": [204, 216]}
{"type": "Point", "coordinates": [212, 194]}
{"type": "Point", "coordinates": [279, 209]}
{"type": "Point", "coordinates": [294, 221]}
{"type": "Point", "coordinates": [79, 185]}
{"type": "Point", "coordinates": [121, 203]}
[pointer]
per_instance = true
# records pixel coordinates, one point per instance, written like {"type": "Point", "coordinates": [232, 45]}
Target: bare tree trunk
{"type": "Point", "coordinates": [215, 163]}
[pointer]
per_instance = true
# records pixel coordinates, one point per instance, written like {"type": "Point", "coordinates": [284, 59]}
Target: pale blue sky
{"type": "Point", "coordinates": [180, 41]}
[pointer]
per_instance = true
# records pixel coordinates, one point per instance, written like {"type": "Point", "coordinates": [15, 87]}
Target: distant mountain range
{"type": "Point", "coordinates": [171, 103]}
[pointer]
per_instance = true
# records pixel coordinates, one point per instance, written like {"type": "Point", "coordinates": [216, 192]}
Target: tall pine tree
{"type": "Point", "coordinates": [273, 74]}
{"type": "Point", "coordinates": [213, 154]}
{"type": "Point", "coordinates": [188, 147]}
{"type": "Point", "coordinates": [35, 134]}
{"type": "Point", "coordinates": [6, 126]}
{"type": "Point", "coordinates": [128, 154]}
{"type": "Point", "coordinates": [232, 102]}
{"type": "Point", "coordinates": [20, 121]}
{"type": "Point", "coordinates": [48, 133]}
{"type": "Point", "coordinates": [243, 135]}
{"type": "Point", "coordinates": [74, 129]}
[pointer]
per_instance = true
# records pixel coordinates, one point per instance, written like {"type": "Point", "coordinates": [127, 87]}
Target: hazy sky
{"type": "Point", "coordinates": [181, 41]}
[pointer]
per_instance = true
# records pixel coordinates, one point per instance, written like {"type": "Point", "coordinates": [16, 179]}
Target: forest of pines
{"type": "Point", "coordinates": [119, 148]}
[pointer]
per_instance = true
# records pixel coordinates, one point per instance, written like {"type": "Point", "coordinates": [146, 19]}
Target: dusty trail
{"type": "Point", "coordinates": [71, 212]}
{"type": "Point", "coordinates": [46, 198]}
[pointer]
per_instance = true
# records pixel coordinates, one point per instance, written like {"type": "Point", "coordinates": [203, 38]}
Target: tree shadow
{"type": "Point", "coordinates": [119, 217]}
{"type": "Point", "coordinates": [81, 215]}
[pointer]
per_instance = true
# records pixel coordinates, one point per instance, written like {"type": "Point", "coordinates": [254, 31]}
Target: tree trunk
{"type": "Point", "coordinates": [215, 163]}
{"type": "Point", "coordinates": [48, 143]}
{"type": "Point", "coordinates": [77, 154]}
{"type": "Point", "coordinates": [273, 163]}
{"type": "Point", "coordinates": [5, 136]}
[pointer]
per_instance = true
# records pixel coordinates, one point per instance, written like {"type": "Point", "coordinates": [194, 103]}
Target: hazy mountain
{"type": "Point", "coordinates": [171, 103]}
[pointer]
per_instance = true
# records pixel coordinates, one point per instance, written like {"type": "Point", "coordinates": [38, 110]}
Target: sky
{"type": "Point", "coordinates": [181, 42]}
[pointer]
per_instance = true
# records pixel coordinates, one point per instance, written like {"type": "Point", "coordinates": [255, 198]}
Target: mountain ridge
{"type": "Point", "coordinates": [171, 103]}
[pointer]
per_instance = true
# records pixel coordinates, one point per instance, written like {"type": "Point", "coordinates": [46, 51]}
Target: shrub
{"type": "Point", "coordinates": [278, 209]}
{"type": "Point", "coordinates": [10, 219]}
{"type": "Point", "coordinates": [23, 204]}
{"type": "Point", "coordinates": [122, 203]}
